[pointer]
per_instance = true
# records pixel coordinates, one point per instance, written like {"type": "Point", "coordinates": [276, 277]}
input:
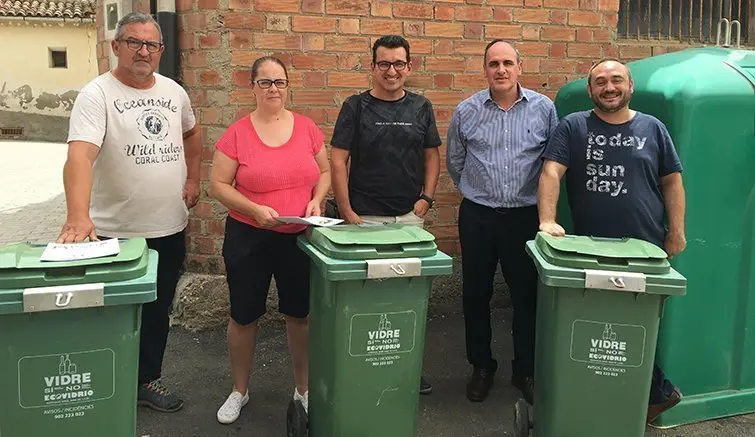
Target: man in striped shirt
{"type": "Point", "coordinates": [495, 143]}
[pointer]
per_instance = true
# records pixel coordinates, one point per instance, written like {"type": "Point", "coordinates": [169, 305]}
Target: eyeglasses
{"type": "Point", "coordinates": [397, 65]}
{"type": "Point", "coordinates": [267, 83]}
{"type": "Point", "coordinates": [136, 45]}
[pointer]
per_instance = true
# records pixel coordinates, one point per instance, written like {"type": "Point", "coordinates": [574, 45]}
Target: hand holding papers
{"type": "Point", "coordinates": [310, 221]}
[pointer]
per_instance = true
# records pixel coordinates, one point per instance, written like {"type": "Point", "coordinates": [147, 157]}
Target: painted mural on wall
{"type": "Point", "coordinates": [28, 100]}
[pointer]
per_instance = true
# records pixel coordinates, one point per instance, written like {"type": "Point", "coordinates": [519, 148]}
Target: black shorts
{"type": "Point", "coordinates": [252, 256]}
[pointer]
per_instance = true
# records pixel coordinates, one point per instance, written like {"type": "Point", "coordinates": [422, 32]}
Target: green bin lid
{"type": "Point", "coordinates": [586, 252]}
{"type": "Point", "coordinates": [392, 240]}
{"type": "Point", "coordinates": [21, 267]}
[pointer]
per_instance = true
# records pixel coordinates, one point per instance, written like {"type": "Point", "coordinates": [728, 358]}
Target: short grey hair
{"type": "Point", "coordinates": [136, 18]}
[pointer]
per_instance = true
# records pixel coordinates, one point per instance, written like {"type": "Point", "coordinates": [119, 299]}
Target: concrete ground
{"type": "Point", "coordinates": [32, 203]}
{"type": "Point", "coordinates": [196, 367]}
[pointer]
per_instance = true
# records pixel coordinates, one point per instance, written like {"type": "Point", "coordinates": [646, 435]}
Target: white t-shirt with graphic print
{"type": "Point", "coordinates": [140, 171]}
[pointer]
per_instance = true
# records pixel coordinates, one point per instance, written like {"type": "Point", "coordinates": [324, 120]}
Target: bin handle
{"type": "Point", "coordinates": [390, 249]}
{"type": "Point", "coordinates": [606, 238]}
{"type": "Point", "coordinates": [611, 262]}
{"type": "Point", "coordinates": [67, 273]}
{"type": "Point", "coordinates": [398, 269]}
{"type": "Point", "coordinates": [62, 300]}
{"type": "Point", "coordinates": [610, 280]}
{"type": "Point", "coordinates": [618, 282]}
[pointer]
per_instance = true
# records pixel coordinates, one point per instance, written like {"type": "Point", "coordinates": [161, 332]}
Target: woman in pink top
{"type": "Point", "coordinates": [270, 164]}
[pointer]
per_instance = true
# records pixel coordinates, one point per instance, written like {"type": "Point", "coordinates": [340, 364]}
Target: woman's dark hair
{"type": "Point", "coordinates": [390, 42]}
{"type": "Point", "coordinates": [258, 63]}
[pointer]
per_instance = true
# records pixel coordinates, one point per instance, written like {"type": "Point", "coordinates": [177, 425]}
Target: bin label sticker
{"type": "Point", "coordinates": [602, 344]}
{"type": "Point", "coordinates": [382, 337]}
{"type": "Point", "coordinates": [65, 380]}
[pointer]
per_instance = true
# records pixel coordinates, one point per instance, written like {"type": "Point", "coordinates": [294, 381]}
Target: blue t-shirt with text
{"type": "Point", "coordinates": [613, 180]}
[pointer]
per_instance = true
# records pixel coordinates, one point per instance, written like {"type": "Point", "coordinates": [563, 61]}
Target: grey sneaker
{"type": "Point", "coordinates": [156, 396]}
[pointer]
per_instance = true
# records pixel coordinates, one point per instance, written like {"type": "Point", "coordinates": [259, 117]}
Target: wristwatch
{"type": "Point", "coordinates": [427, 199]}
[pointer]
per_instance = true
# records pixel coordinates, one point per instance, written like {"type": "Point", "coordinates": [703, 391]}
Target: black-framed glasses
{"type": "Point", "coordinates": [397, 65]}
{"type": "Point", "coordinates": [267, 83]}
{"type": "Point", "coordinates": [136, 45]}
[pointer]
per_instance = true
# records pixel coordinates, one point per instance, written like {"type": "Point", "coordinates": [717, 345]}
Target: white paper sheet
{"type": "Point", "coordinates": [78, 251]}
{"type": "Point", "coordinates": [313, 220]}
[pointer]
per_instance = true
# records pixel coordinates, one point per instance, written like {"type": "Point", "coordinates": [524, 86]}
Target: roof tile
{"type": "Point", "coordinates": [53, 9]}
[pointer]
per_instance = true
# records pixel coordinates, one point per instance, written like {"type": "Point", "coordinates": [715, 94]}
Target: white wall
{"type": "Point", "coordinates": [27, 82]}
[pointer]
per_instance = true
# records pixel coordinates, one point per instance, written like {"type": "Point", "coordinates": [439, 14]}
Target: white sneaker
{"type": "Point", "coordinates": [303, 398]}
{"type": "Point", "coordinates": [231, 409]}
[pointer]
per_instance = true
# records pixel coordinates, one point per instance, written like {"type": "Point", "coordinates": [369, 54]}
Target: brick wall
{"type": "Point", "coordinates": [326, 45]}
{"type": "Point", "coordinates": [103, 63]}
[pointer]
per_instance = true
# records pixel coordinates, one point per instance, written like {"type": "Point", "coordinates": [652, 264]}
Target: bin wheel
{"type": "Point", "coordinates": [522, 422]}
{"type": "Point", "coordinates": [297, 422]}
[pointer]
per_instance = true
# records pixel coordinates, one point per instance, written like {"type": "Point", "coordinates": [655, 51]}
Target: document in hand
{"type": "Point", "coordinates": [311, 221]}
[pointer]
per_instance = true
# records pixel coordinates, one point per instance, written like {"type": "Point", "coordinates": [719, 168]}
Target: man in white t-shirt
{"type": "Point", "coordinates": [134, 154]}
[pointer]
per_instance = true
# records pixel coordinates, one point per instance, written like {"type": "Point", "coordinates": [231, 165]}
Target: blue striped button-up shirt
{"type": "Point", "coordinates": [494, 155]}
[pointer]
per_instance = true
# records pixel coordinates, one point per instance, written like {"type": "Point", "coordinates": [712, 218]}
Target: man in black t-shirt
{"type": "Point", "coordinates": [393, 143]}
{"type": "Point", "coordinates": [390, 137]}
{"type": "Point", "coordinates": [622, 176]}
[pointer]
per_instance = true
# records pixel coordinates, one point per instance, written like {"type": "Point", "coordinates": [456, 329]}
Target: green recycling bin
{"type": "Point", "coordinates": [370, 287]}
{"type": "Point", "coordinates": [600, 302]}
{"type": "Point", "coordinates": [70, 340]}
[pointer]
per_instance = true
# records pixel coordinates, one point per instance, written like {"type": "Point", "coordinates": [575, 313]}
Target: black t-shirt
{"type": "Point", "coordinates": [388, 164]}
{"type": "Point", "coordinates": [614, 174]}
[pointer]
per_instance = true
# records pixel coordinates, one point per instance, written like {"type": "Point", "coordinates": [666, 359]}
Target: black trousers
{"type": "Point", "coordinates": [660, 387]}
{"type": "Point", "coordinates": [156, 315]}
{"type": "Point", "coordinates": [490, 236]}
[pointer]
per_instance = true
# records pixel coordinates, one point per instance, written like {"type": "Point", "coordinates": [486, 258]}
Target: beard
{"type": "Point", "coordinates": [624, 98]}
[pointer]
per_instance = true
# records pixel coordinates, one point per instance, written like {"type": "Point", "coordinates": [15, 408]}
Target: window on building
{"type": "Point", "coordinates": [693, 21]}
{"type": "Point", "coordinates": [58, 58]}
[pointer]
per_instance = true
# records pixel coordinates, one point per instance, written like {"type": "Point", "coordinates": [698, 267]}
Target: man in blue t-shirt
{"type": "Point", "coordinates": [622, 177]}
